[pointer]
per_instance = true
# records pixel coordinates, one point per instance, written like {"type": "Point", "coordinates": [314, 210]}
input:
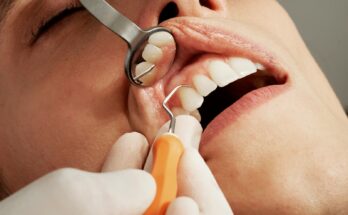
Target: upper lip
{"type": "Point", "coordinates": [199, 36]}
{"type": "Point", "coordinates": [196, 36]}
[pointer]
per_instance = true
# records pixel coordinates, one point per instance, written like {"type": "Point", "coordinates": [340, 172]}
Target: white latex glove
{"type": "Point", "coordinates": [198, 191]}
{"type": "Point", "coordinates": [71, 191]}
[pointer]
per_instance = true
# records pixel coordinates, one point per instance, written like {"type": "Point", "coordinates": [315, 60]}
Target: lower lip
{"type": "Point", "coordinates": [244, 105]}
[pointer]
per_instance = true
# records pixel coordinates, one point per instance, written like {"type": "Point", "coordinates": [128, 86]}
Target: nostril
{"type": "Point", "coordinates": [207, 4]}
{"type": "Point", "coordinates": [171, 10]}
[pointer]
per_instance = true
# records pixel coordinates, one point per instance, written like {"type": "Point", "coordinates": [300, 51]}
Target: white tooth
{"type": "Point", "coordinates": [179, 111]}
{"type": "Point", "coordinates": [161, 39]}
{"type": "Point", "coordinates": [152, 54]}
{"type": "Point", "coordinates": [196, 115]}
{"type": "Point", "coordinates": [149, 77]}
{"type": "Point", "coordinates": [203, 84]}
{"type": "Point", "coordinates": [259, 66]}
{"type": "Point", "coordinates": [242, 66]}
{"type": "Point", "coordinates": [190, 99]}
{"type": "Point", "coordinates": [221, 73]}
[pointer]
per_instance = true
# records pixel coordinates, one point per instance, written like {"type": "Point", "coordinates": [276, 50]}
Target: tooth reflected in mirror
{"type": "Point", "coordinates": [154, 57]}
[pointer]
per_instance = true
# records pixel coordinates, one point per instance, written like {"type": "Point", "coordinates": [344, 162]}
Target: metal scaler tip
{"type": "Point", "coordinates": [169, 112]}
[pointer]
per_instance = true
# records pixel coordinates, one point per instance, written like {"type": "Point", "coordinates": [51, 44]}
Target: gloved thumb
{"type": "Point", "coordinates": [129, 152]}
{"type": "Point", "coordinates": [196, 181]}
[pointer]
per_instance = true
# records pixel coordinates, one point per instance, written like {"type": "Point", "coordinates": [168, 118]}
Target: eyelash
{"type": "Point", "coordinates": [48, 23]}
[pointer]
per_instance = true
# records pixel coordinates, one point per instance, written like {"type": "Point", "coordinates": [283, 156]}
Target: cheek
{"type": "Point", "coordinates": [260, 15]}
{"type": "Point", "coordinates": [66, 110]}
{"type": "Point", "coordinates": [65, 123]}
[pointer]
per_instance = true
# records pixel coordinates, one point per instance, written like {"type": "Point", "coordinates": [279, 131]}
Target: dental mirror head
{"type": "Point", "coordinates": [138, 71]}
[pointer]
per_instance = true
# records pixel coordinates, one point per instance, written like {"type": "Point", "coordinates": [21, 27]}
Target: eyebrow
{"type": "Point", "coordinates": [5, 7]}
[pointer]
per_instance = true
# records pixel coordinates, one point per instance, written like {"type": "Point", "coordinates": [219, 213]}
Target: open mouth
{"type": "Point", "coordinates": [217, 83]}
{"type": "Point", "coordinates": [224, 97]}
{"type": "Point", "coordinates": [229, 73]}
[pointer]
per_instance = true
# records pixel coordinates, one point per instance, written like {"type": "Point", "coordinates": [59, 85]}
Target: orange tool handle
{"type": "Point", "coordinates": [167, 151]}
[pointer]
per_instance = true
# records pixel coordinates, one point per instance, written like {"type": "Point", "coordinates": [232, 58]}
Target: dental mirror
{"type": "Point", "coordinates": [135, 37]}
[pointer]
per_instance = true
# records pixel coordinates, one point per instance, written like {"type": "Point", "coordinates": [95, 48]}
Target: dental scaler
{"type": "Point", "coordinates": [167, 150]}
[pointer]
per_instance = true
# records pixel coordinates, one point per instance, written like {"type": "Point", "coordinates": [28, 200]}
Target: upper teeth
{"type": "Point", "coordinates": [191, 100]}
{"type": "Point", "coordinates": [260, 66]}
{"type": "Point", "coordinates": [219, 74]}
{"type": "Point", "coordinates": [204, 85]}
{"type": "Point", "coordinates": [143, 66]}
{"type": "Point", "coordinates": [242, 66]}
{"type": "Point", "coordinates": [153, 54]}
{"type": "Point", "coordinates": [161, 39]}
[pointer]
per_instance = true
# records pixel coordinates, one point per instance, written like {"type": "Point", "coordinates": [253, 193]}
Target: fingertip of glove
{"type": "Point", "coordinates": [129, 151]}
{"type": "Point", "coordinates": [134, 137]}
{"type": "Point", "coordinates": [183, 205]}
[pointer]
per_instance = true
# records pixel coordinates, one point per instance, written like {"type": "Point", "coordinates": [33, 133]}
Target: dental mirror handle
{"type": "Point", "coordinates": [114, 20]}
{"type": "Point", "coordinates": [167, 151]}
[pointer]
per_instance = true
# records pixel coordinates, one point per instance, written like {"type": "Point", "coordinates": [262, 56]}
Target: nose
{"type": "Point", "coordinates": [198, 8]}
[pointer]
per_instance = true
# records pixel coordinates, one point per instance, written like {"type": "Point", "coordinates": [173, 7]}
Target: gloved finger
{"type": "Point", "coordinates": [187, 128]}
{"type": "Point", "coordinates": [70, 191]}
{"type": "Point", "coordinates": [182, 206]}
{"type": "Point", "coordinates": [129, 152]}
{"type": "Point", "coordinates": [196, 181]}
{"type": "Point", "coordinates": [127, 191]}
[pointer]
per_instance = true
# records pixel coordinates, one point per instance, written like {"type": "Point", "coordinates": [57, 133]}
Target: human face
{"type": "Point", "coordinates": [65, 99]}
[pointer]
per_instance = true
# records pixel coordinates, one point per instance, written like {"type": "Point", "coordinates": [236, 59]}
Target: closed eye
{"type": "Point", "coordinates": [46, 25]}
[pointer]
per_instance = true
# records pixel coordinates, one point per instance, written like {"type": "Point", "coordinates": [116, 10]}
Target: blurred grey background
{"type": "Point", "coordinates": [324, 26]}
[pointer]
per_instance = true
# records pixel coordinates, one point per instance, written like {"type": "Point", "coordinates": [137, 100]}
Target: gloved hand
{"type": "Point", "coordinates": [71, 191]}
{"type": "Point", "coordinates": [121, 189]}
{"type": "Point", "coordinates": [198, 191]}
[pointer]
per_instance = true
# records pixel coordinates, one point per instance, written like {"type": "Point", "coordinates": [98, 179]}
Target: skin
{"type": "Point", "coordinates": [65, 100]}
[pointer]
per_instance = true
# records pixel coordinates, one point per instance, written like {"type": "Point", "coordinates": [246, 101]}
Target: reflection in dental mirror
{"type": "Point", "coordinates": [156, 53]}
{"type": "Point", "coordinates": [139, 51]}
